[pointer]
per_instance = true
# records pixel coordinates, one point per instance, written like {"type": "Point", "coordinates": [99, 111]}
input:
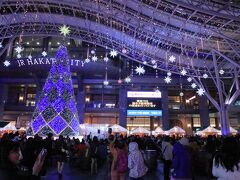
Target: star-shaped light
{"type": "Point", "coordinates": [19, 56]}
{"type": "Point", "coordinates": [106, 59]}
{"type": "Point", "coordinates": [1, 45]}
{"type": "Point", "coordinates": [172, 59]}
{"type": "Point", "coordinates": [205, 76]}
{"type": "Point", "coordinates": [200, 91]}
{"type": "Point", "coordinates": [189, 79]}
{"type": "Point", "coordinates": [30, 57]}
{"type": "Point", "coordinates": [44, 53]}
{"type": "Point", "coordinates": [94, 58]}
{"type": "Point", "coordinates": [168, 79]}
{"type": "Point", "coordinates": [153, 61]}
{"type": "Point", "coordinates": [169, 73]}
{"type": "Point", "coordinates": [221, 72]}
{"type": "Point", "coordinates": [105, 82]}
{"type": "Point", "coordinates": [145, 62]}
{"type": "Point", "coordinates": [193, 85]}
{"type": "Point", "coordinates": [181, 94]}
{"type": "Point", "coordinates": [140, 70]}
{"type": "Point", "coordinates": [6, 63]}
{"type": "Point", "coordinates": [183, 72]}
{"type": "Point", "coordinates": [18, 49]}
{"type": "Point", "coordinates": [113, 53]}
{"type": "Point", "coordinates": [127, 79]}
{"type": "Point", "coordinates": [64, 30]}
{"type": "Point", "coordinates": [87, 60]}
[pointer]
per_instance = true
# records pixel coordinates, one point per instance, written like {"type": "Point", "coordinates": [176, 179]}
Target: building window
{"type": "Point", "coordinates": [212, 122]}
{"type": "Point", "coordinates": [196, 122]}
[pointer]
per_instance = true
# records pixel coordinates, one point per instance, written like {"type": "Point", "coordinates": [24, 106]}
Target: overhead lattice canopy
{"type": "Point", "coordinates": [151, 30]}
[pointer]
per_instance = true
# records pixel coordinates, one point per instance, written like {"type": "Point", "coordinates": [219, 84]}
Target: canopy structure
{"type": "Point", "coordinates": [176, 131]}
{"type": "Point", "coordinates": [208, 131]}
{"type": "Point", "coordinates": [232, 131]}
{"type": "Point", "coordinates": [118, 129]}
{"type": "Point", "coordinates": [140, 130]}
{"type": "Point", "coordinates": [93, 129]}
{"type": "Point", "coordinates": [159, 130]}
{"type": "Point", "coordinates": [10, 127]}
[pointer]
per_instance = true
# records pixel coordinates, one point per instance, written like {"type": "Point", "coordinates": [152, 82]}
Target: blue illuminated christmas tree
{"type": "Point", "coordinates": [56, 110]}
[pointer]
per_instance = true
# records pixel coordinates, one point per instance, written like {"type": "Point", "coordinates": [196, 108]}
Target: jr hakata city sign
{"type": "Point", "coordinates": [44, 61]}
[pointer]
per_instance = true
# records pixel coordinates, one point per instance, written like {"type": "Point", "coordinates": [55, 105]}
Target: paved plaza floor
{"type": "Point", "coordinates": [70, 173]}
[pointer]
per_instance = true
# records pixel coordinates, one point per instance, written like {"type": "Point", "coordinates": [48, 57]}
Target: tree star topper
{"type": "Point", "coordinates": [64, 30]}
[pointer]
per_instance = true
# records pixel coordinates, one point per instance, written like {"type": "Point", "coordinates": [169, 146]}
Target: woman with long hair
{"type": "Point", "coordinates": [226, 163]}
{"type": "Point", "coordinates": [10, 156]}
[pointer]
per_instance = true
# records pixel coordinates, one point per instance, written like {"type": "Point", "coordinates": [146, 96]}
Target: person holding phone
{"type": "Point", "coordinates": [10, 156]}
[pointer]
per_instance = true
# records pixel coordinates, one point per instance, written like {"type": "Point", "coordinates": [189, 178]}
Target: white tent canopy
{"type": "Point", "coordinates": [159, 130]}
{"type": "Point", "coordinates": [176, 130]}
{"type": "Point", "coordinates": [210, 129]}
{"type": "Point", "coordinates": [118, 129]}
{"type": "Point", "coordinates": [10, 127]}
{"type": "Point", "coordinates": [140, 130]}
{"type": "Point", "coordinates": [232, 131]}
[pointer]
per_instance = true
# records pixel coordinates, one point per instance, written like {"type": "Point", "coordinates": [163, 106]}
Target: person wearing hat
{"type": "Point", "coordinates": [182, 160]}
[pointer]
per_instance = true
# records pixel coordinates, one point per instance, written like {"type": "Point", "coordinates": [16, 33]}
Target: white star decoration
{"type": "Point", "coordinates": [30, 57]}
{"type": "Point", "coordinates": [200, 91]}
{"type": "Point", "coordinates": [193, 85]}
{"type": "Point", "coordinates": [1, 45]}
{"type": "Point", "coordinates": [205, 76]}
{"type": "Point", "coordinates": [189, 79]}
{"type": "Point", "coordinates": [172, 59]}
{"type": "Point", "coordinates": [64, 30]}
{"type": "Point", "coordinates": [19, 49]}
{"type": "Point", "coordinates": [127, 79]}
{"type": "Point", "coordinates": [105, 59]}
{"type": "Point", "coordinates": [94, 58]}
{"type": "Point", "coordinates": [6, 63]}
{"type": "Point", "coordinates": [113, 53]}
{"type": "Point", "coordinates": [221, 72]}
{"type": "Point", "coordinates": [44, 53]}
{"type": "Point", "coordinates": [140, 70]}
{"type": "Point", "coordinates": [183, 72]}
{"type": "Point", "coordinates": [87, 60]}
{"type": "Point", "coordinates": [168, 79]}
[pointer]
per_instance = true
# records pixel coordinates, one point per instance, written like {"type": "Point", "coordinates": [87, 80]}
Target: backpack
{"type": "Point", "coordinates": [122, 162]}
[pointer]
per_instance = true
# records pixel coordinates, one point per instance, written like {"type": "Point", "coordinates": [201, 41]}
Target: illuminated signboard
{"type": "Point", "coordinates": [145, 103]}
{"type": "Point", "coordinates": [144, 94]}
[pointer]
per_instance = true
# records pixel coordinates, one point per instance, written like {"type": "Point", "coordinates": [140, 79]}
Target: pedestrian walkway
{"type": "Point", "coordinates": [70, 173]}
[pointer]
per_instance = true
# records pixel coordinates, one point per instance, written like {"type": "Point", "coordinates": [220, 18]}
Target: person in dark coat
{"type": "Point", "coordinates": [10, 156]}
{"type": "Point", "coordinates": [182, 160]}
{"type": "Point", "coordinates": [61, 154]}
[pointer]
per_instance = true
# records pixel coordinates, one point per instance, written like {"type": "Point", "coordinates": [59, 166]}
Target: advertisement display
{"type": "Point", "coordinates": [144, 103]}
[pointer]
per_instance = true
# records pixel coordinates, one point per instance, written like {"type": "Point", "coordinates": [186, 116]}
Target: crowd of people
{"type": "Point", "coordinates": [133, 156]}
